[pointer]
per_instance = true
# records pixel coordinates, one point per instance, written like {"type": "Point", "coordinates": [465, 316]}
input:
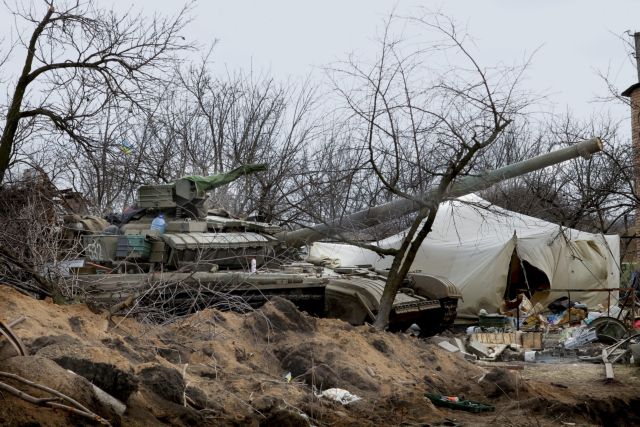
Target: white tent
{"type": "Point", "coordinates": [473, 247]}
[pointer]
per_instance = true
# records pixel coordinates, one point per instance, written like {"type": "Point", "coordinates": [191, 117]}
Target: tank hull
{"type": "Point", "coordinates": [356, 300]}
{"type": "Point", "coordinates": [176, 294]}
{"type": "Point", "coordinates": [352, 298]}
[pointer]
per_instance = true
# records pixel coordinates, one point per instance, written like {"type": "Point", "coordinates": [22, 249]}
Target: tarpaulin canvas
{"type": "Point", "coordinates": [206, 183]}
{"type": "Point", "coordinates": [472, 242]}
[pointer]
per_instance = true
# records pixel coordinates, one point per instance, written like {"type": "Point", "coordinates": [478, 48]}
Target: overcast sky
{"type": "Point", "coordinates": [294, 38]}
{"type": "Point", "coordinates": [575, 38]}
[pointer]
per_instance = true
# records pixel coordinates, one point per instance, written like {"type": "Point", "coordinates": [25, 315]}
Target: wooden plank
{"type": "Point", "coordinates": [608, 369]}
{"type": "Point", "coordinates": [532, 340]}
{"type": "Point", "coordinates": [500, 365]}
{"type": "Point", "coordinates": [494, 338]}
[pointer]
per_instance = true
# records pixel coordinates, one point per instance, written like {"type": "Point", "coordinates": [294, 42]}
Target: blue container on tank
{"type": "Point", "coordinates": [159, 223]}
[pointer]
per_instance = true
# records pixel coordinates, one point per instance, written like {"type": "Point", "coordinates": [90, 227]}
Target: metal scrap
{"type": "Point", "coordinates": [611, 351]}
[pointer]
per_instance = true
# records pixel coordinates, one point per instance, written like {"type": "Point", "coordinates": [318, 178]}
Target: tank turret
{"type": "Point", "coordinates": [185, 197]}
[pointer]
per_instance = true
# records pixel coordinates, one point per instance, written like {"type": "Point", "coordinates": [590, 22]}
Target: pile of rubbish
{"type": "Point", "coordinates": [564, 330]}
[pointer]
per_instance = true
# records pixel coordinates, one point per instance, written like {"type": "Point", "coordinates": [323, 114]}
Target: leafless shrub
{"type": "Point", "coordinates": [31, 237]}
{"type": "Point", "coordinates": [167, 301]}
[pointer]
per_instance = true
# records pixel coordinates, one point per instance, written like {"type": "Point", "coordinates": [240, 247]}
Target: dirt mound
{"type": "Point", "coordinates": [285, 418]}
{"type": "Point", "coordinates": [501, 382]}
{"type": "Point", "coordinates": [168, 383]}
{"type": "Point", "coordinates": [63, 340]}
{"type": "Point", "coordinates": [48, 373]}
{"type": "Point", "coordinates": [325, 365]}
{"type": "Point", "coordinates": [108, 377]}
{"type": "Point", "coordinates": [214, 368]}
{"type": "Point", "coordinates": [611, 411]}
{"type": "Point", "coordinates": [278, 316]}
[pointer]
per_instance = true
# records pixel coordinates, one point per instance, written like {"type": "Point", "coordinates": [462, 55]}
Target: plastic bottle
{"type": "Point", "coordinates": [158, 223]}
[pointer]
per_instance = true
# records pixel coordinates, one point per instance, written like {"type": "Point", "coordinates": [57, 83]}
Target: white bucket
{"type": "Point", "coordinates": [529, 356]}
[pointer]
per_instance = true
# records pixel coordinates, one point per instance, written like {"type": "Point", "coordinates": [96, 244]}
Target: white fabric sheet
{"type": "Point", "coordinates": [471, 244]}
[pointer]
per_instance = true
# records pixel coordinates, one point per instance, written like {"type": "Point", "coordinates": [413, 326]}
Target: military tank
{"type": "Point", "coordinates": [202, 257]}
{"type": "Point", "coordinates": [208, 258]}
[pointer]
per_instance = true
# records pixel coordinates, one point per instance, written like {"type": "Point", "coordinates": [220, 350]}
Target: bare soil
{"type": "Point", "coordinates": [215, 368]}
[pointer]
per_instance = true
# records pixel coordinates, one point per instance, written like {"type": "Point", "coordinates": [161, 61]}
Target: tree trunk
{"type": "Point", "coordinates": [8, 135]}
{"type": "Point", "coordinates": [13, 114]}
{"type": "Point", "coordinates": [400, 267]}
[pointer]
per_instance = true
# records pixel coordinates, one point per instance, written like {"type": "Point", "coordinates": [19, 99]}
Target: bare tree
{"type": "Point", "coordinates": [79, 59]}
{"type": "Point", "coordinates": [207, 124]}
{"type": "Point", "coordinates": [596, 195]}
{"type": "Point", "coordinates": [419, 116]}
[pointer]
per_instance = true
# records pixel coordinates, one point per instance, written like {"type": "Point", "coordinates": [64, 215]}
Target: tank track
{"type": "Point", "coordinates": [450, 310]}
{"type": "Point", "coordinates": [438, 320]}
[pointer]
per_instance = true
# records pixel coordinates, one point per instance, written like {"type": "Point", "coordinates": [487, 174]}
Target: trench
{"type": "Point", "coordinates": [608, 411]}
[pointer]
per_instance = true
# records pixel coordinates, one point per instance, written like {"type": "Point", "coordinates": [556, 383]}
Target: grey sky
{"type": "Point", "coordinates": [292, 38]}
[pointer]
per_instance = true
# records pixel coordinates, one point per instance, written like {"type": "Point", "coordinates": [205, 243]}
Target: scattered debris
{"type": "Point", "coordinates": [455, 402]}
{"type": "Point", "coordinates": [339, 395]}
{"type": "Point", "coordinates": [613, 353]}
{"type": "Point", "coordinates": [565, 329]}
{"type": "Point", "coordinates": [580, 337]}
{"type": "Point", "coordinates": [449, 347]}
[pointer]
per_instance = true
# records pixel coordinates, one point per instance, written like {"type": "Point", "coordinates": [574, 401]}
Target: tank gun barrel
{"type": "Point", "coordinates": [207, 183]}
{"type": "Point", "coordinates": [463, 186]}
